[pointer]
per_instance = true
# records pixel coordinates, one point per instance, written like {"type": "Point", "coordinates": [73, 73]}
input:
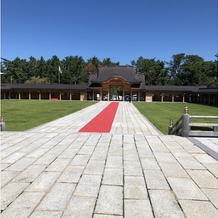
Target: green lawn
{"type": "Point", "coordinates": [160, 113]}
{"type": "Point", "coordinates": [20, 115]}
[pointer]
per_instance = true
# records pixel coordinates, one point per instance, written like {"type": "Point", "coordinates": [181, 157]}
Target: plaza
{"type": "Point", "coordinates": [133, 171]}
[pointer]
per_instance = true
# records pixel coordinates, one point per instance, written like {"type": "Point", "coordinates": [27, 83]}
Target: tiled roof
{"type": "Point", "coordinates": [127, 73]}
{"type": "Point", "coordinates": [5, 87]}
{"type": "Point", "coordinates": [173, 88]}
{"type": "Point", "coordinates": [207, 90]}
{"type": "Point", "coordinates": [43, 86]}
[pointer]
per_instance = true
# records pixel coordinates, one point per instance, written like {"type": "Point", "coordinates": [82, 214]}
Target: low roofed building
{"type": "Point", "coordinates": [116, 83]}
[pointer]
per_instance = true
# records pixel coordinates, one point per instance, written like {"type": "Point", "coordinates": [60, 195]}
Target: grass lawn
{"type": "Point", "coordinates": [20, 115]}
{"type": "Point", "coordinates": [160, 113]}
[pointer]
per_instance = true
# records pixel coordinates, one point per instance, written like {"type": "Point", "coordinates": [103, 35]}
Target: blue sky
{"type": "Point", "coordinates": [122, 30]}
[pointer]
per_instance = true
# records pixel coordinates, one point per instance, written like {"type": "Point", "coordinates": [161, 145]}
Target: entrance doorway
{"type": "Point", "coordinates": [116, 93]}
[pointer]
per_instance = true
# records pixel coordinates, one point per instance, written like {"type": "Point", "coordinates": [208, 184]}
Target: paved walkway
{"type": "Point", "coordinates": [132, 172]}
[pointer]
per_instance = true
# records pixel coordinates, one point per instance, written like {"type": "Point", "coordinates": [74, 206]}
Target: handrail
{"type": "Point", "coordinates": [183, 125]}
{"type": "Point", "coordinates": [203, 117]}
{"type": "Point", "coordinates": [175, 128]}
{"type": "Point", "coordinates": [177, 122]}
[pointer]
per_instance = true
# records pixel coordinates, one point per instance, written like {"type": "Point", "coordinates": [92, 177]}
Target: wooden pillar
{"type": "Point", "coordinates": [60, 95]}
{"type": "Point", "coordinates": [199, 98]}
{"type": "Point", "coordinates": [93, 95]}
{"type": "Point", "coordinates": [29, 95]}
{"type": "Point", "coordinates": [9, 95]}
{"type": "Point", "coordinates": [108, 93]}
{"type": "Point", "coordinates": [123, 98]}
{"type": "Point", "coordinates": [193, 98]}
{"type": "Point", "coordinates": [49, 95]}
{"type": "Point", "coordinates": [101, 95]}
{"type": "Point", "coordinates": [19, 96]}
{"type": "Point", "coordinates": [39, 95]}
{"type": "Point", "coordinates": [173, 97]}
{"type": "Point", "coordinates": [85, 95]}
{"type": "Point", "coordinates": [183, 98]}
{"type": "Point", "coordinates": [70, 96]}
{"type": "Point", "coordinates": [162, 97]}
{"type": "Point", "coordinates": [4, 95]}
{"type": "Point", "coordinates": [205, 99]}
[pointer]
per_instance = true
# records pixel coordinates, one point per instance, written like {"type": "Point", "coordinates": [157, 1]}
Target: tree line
{"type": "Point", "coordinates": [182, 69]}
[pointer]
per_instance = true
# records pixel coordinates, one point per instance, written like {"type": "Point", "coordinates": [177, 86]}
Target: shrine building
{"type": "Point", "coordinates": [114, 83]}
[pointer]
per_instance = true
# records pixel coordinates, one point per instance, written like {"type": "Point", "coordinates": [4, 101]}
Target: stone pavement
{"type": "Point", "coordinates": [134, 171]}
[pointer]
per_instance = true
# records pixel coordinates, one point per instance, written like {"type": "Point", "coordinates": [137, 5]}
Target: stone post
{"type": "Point", "coordinates": [185, 122]}
{"type": "Point", "coordinates": [2, 124]}
{"type": "Point", "coordinates": [170, 127]}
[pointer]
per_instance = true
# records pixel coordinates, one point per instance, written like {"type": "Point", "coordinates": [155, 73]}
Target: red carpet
{"type": "Point", "coordinates": [103, 121]}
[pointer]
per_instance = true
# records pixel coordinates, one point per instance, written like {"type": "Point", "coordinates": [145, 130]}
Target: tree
{"type": "Point", "coordinates": [87, 70]}
{"type": "Point", "coordinates": [41, 69]}
{"type": "Point", "coordinates": [174, 69]}
{"type": "Point", "coordinates": [4, 70]}
{"type": "Point", "coordinates": [17, 70]}
{"type": "Point", "coordinates": [108, 62]}
{"type": "Point", "coordinates": [96, 62]}
{"type": "Point", "coordinates": [154, 71]}
{"type": "Point", "coordinates": [52, 69]}
{"type": "Point", "coordinates": [192, 71]}
{"type": "Point", "coordinates": [181, 70]}
{"type": "Point", "coordinates": [72, 69]}
{"type": "Point", "coordinates": [37, 80]}
{"type": "Point", "coordinates": [209, 74]}
{"type": "Point", "coordinates": [32, 67]}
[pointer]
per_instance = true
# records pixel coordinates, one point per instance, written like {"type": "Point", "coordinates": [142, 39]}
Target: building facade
{"type": "Point", "coordinates": [119, 83]}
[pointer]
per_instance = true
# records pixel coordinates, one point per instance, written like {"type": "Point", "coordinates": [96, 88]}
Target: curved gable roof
{"type": "Point", "coordinates": [127, 73]}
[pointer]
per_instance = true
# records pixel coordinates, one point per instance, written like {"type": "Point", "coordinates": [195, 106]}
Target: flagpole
{"type": "Point", "coordinates": [58, 77]}
{"type": "Point", "coordinates": [59, 71]}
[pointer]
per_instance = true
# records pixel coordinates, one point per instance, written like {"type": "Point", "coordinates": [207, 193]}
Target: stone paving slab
{"type": "Point", "coordinates": [128, 174]}
{"type": "Point", "coordinates": [209, 145]}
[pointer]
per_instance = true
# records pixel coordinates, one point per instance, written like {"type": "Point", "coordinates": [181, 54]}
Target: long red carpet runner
{"type": "Point", "coordinates": [103, 121]}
